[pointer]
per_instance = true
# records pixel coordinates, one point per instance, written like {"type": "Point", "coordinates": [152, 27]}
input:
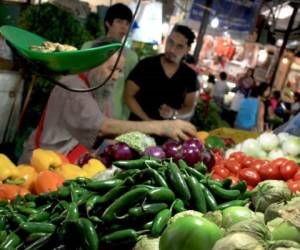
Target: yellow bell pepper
{"type": "Point", "coordinates": [70, 171]}
{"type": "Point", "coordinates": [7, 168]}
{"type": "Point", "coordinates": [43, 159]}
{"type": "Point", "coordinates": [93, 167]}
{"type": "Point", "coordinates": [28, 174]}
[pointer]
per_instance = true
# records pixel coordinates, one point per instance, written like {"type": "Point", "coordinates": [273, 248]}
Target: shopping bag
{"type": "Point", "coordinates": [247, 115]}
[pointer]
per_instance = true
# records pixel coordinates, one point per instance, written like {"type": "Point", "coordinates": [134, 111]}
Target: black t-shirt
{"type": "Point", "coordinates": [157, 89]}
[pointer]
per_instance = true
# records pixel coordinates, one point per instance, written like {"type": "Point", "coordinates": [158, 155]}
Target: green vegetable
{"type": "Point", "coordinates": [160, 221]}
{"type": "Point", "coordinates": [186, 213]}
{"type": "Point", "coordinates": [127, 200]}
{"type": "Point", "coordinates": [212, 142]}
{"type": "Point", "coordinates": [232, 215]}
{"type": "Point", "coordinates": [11, 241]}
{"type": "Point", "coordinates": [136, 140]}
{"type": "Point", "coordinates": [147, 243]}
{"type": "Point", "coordinates": [162, 194]}
{"type": "Point", "coordinates": [87, 233]}
{"type": "Point", "coordinates": [178, 183]}
{"type": "Point", "coordinates": [147, 209]}
{"type": "Point", "coordinates": [268, 192]}
{"type": "Point", "coordinates": [227, 194]}
{"type": "Point", "coordinates": [37, 227]}
{"type": "Point", "coordinates": [178, 206]}
{"type": "Point", "coordinates": [284, 230]}
{"type": "Point", "coordinates": [232, 203]}
{"type": "Point", "coordinates": [100, 185]}
{"type": "Point", "coordinates": [238, 241]}
{"type": "Point", "coordinates": [210, 199]}
{"type": "Point", "coordinates": [126, 236]}
{"type": "Point", "coordinates": [190, 233]}
{"type": "Point", "coordinates": [198, 198]}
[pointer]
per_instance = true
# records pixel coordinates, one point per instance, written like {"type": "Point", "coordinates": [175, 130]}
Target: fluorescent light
{"type": "Point", "coordinates": [214, 22]}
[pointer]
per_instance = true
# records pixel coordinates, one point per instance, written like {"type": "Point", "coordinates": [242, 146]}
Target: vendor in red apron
{"type": "Point", "coordinates": [71, 121]}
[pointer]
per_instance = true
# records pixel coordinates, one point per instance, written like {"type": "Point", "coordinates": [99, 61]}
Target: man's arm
{"type": "Point", "coordinates": [177, 130]}
{"type": "Point", "coordinates": [131, 90]}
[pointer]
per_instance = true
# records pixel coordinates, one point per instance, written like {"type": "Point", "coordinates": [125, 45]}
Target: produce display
{"type": "Point", "coordinates": [200, 194]}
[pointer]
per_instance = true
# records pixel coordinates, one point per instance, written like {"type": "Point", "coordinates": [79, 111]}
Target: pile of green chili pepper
{"type": "Point", "coordinates": [112, 214]}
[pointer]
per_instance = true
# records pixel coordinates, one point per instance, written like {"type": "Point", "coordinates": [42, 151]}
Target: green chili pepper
{"type": "Point", "coordinates": [63, 192]}
{"type": "Point", "coordinates": [178, 206]}
{"type": "Point", "coordinates": [29, 197]}
{"type": "Point", "coordinates": [26, 210]}
{"type": "Point", "coordinates": [210, 199]}
{"type": "Point", "coordinates": [127, 173]}
{"type": "Point", "coordinates": [212, 142]}
{"type": "Point", "coordinates": [125, 236]}
{"type": "Point", "coordinates": [88, 234]}
{"type": "Point", "coordinates": [178, 183]}
{"type": "Point", "coordinates": [109, 196]}
{"type": "Point", "coordinates": [35, 236]}
{"type": "Point", "coordinates": [39, 217]}
{"type": "Point", "coordinates": [241, 185]}
{"type": "Point", "coordinates": [3, 221]}
{"type": "Point", "coordinates": [148, 225]}
{"type": "Point", "coordinates": [226, 183]}
{"type": "Point", "coordinates": [37, 227]}
{"type": "Point", "coordinates": [103, 185]}
{"type": "Point", "coordinates": [11, 241]}
{"type": "Point", "coordinates": [147, 209]}
{"type": "Point", "coordinates": [73, 212]}
{"type": "Point", "coordinates": [40, 243]}
{"type": "Point", "coordinates": [161, 194]}
{"type": "Point", "coordinates": [3, 235]}
{"type": "Point", "coordinates": [182, 164]}
{"type": "Point", "coordinates": [160, 221]}
{"type": "Point", "coordinates": [228, 194]}
{"type": "Point", "coordinates": [198, 198]}
{"type": "Point", "coordinates": [127, 200]}
{"type": "Point", "coordinates": [138, 164]}
{"type": "Point", "coordinates": [232, 203]}
{"type": "Point", "coordinates": [159, 180]}
{"type": "Point", "coordinates": [199, 176]}
{"type": "Point", "coordinates": [201, 167]}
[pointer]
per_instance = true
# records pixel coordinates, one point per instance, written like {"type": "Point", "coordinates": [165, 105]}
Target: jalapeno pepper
{"type": "Point", "coordinates": [37, 227]}
{"type": "Point", "coordinates": [11, 241]}
{"type": "Point", "coordinates": [39, 243]}
{"type": "Point", "coordinates": [178, 206]}
{"type": "Point", "coordinates": [127, 200]}
{"type": "Point", "coordinates": [228, 194]}
{"type": "Point", "coordinates": [198, 198]}
{"type": "Point", "coordinates": [137, 164]}
{"type": "Point", "coordinates": [39, 217]}
{"type": "Point", "coordinates": [88, 234]}
{"type": "Point", "coordinates": [160, 221]}
{"type": "Point", "coordinates": [232, 203]}
{"type": "Point", "coordinates": [201, 167]}
{"type": "Point", "coordinates": [210, 199]}
{"type": "Point", "coordinates": [100, 185]}
{"type": "Point", "coordinates": [125, 236]}
{"type": "Point", "coordinates": [161, 194]}
{"type": "Point", "coordinates": [73, 212]}
{"type": "Point", "coordinates": [241, 185]}
{"type": "Point", "coordinates": [178, 183]}
{"type": "Point", "coordinates": [147, 209]}
{"type": "Point", "coordinates": [199, 176]}
{"type": "Point", "coordinates": [127, 173]}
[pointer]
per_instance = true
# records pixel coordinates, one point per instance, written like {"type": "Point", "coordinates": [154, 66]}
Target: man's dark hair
{"type": "Point", "coordinates": [186, 31]}
{"type": "Point", "coordinates": [223, 76]}
{"type": "Point", "coordinates": [117, 10]}
{"type": "Point", "coordinates": [276, 94]}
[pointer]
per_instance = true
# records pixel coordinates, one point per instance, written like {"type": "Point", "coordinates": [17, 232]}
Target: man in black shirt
{"type": "Point", "coordinates": [163, 87]}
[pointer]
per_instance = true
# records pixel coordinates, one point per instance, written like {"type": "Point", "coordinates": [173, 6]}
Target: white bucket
{"type": "Point", "coordinates": [10, 104]}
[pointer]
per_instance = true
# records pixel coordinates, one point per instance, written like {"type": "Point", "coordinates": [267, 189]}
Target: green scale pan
{"type": "Point", "coordinates": [67, 62]}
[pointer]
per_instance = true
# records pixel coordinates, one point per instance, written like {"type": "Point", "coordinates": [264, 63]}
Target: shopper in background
{"type": "Point", "coordinates": [295, 108]}
{"type": "Point", "coordinates": [220, 90]}
{"type": "Point", "coordinates": [247, 82]}
{"type": "Point", "coordinates": [117, 22]}
{"type": "Point", "coordinates": [72, 121]}
{"type": "Point", "coordinates": [163, 87]}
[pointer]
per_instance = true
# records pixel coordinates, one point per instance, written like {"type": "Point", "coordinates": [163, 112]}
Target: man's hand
{"type": "Point", "coordinates": [178, 130]}
{"type": "Point", "coordinates": [165, 111]}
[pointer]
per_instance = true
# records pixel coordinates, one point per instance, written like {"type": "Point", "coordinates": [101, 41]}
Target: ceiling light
{"type": "Point", "coordinates": [214, 22]}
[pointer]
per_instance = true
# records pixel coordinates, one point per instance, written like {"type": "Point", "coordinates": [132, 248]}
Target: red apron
{"type": "Point", "coordinates": [78, 150]}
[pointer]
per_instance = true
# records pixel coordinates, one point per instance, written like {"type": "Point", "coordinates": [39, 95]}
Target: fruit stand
{"type": "Point", "coordinates": [201, 194]}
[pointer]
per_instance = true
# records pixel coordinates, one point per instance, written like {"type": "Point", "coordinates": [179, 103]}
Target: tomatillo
{"type": "Point", "coordinates": [190, 233]}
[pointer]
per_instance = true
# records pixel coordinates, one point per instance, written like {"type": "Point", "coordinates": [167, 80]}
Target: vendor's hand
{"type": "Point", "coordinates": [165, 111]}
{"type": "Point", "coordinates": [178, 130]}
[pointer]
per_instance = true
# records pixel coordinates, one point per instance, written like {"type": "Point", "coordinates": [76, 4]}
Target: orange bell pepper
{"type": "Point", "coordinates": [43, 159]}
{"type": "Point", "coordinates": [47, 181]}
{"type": "Point", "coordinates": [9, 192]}
{"type": "Point", "coordinates": [93, 167]}
{"type": "Point", "coordinates": [28, 174]}
{"type": "Point", "coordinates": [70, 171]}
{"type": "Point", "coordinates": [7, 168]}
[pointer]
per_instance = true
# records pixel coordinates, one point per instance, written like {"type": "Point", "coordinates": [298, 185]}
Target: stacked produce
{"type": "Point", "coordinates": [139, 200]}
{"type": "Point", "coordinates": [47, 171]}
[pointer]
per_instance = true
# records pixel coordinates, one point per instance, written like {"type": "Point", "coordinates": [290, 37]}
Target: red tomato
{"type": "Point", "coordinates": [269, 172]}
{"type": "Point", "coordinates": [247, 161]}
{"type": "Point", "coordinates": [249, 187]}
{"type": "Point", "coordinates": [279, 161]}
{"type": "Point", "coordinates": [221, 171]}
{"type": "Point", "coordinates": [294, 186]}
{"type": "Point", "coordinates": [297, 175]}
{"type": "Point", "coordinates": [250, 176]}
{"type": "Point", "coordinates": [217, 177]}
{"type": "Point", "coordinates": [288, 169]}
{"type": "Point", "coordinates": [238, 156]}
{"type": "Point", "coordinates": [232, 165]}
{"type": "Point", "coordinates": [257, 164]}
